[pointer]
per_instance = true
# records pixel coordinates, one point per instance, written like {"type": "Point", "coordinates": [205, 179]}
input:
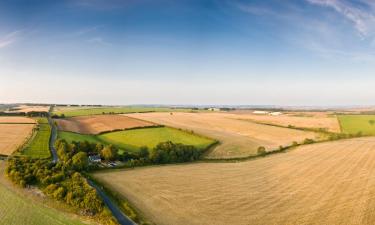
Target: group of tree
{"type": "Point", "coordinates": [56, 181]}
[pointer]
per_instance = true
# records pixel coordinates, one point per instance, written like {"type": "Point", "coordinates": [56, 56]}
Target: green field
{"type": "Point", "coordinates": [100, 110]}
{"type": "Point", "coordinates": [132, 140]}
{"type": "Point", "coordinates": [353, 124]}
{"type": "Point", "coordinates": [39, 143]}
{"type": "Point", "coordinates": [18, 210]}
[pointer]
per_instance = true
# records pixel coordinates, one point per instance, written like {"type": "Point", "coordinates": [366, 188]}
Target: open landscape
{"type": "Point", "coordinates": [238, 138]}
{"type": "Point", "coordinates": [327, 183]}
{"type": "Point", "coordinates": [188, 112]}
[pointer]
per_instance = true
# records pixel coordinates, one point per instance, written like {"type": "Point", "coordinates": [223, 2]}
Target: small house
{"type": "Point", "coordinates": [95, 158]}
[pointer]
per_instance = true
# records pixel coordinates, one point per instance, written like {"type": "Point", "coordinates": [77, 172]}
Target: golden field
{"type": "Point", "coordinates": [327, 183]}
{"type": "Point", "coordinates": [238, 138]}
{"type": "Point", "coordinates": [12, 136]}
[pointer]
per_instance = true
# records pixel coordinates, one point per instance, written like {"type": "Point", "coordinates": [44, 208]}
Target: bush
{"type": "Point", "coordinates": [261, 151]}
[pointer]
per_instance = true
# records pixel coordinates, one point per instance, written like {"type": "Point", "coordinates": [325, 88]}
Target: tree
{"type": "Point", "coordinates": [143, 152]}
{"type": "Point", "coordinates": [261, 150]}
{"type": "Point", "coordinates": [109, 152]}
{"type": "Point", "coordinates": [80, 161]}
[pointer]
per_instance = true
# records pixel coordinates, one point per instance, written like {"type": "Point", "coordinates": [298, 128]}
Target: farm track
{"type": "Point", "coordinates": [325, 183]}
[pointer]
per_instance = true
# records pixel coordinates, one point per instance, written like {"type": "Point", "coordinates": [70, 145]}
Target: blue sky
{"type": "Point", "coordinates": [281, 52]}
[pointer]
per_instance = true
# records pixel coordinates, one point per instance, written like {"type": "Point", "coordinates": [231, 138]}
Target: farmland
{"type": "Point", "coordinates": [132, 140]}
{"type": "Point", "coordinates": [326, 183]}
{"type": "Point", "coordinates": [16, 120]}
{"type": "Point", "coordinates": [38, 146]}
{"type": "Point", "coordinates": [100, 123]}
{"type": "Point", "coordinates": [353, 124]}
{"type": "Point", "coordinates": [86, 111]}
{"type": "Point", "coordinates": [13, 136]}
{"type": "Point", "coordinates": [27, 108]}
{"type": "Point", "coordinates": [312, 121]}
{"type": "Point", "coordinates": [16, 207]}
{"type": "Point", "coordinates": [238, 138]}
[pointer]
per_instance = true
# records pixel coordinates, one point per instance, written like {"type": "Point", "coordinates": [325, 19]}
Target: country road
{"type": "Point", "coordinates": [116, 212]}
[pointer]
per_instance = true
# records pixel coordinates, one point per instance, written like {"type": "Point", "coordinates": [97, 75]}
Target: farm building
{"type": "Point", "coordinates": [275, 113]}
{"type": "Point", "coordinates": [260, 112]}
{"type": "Point", "coordinates": [214, 109]}
{"type": "Point", "coordinates": [95, 158]}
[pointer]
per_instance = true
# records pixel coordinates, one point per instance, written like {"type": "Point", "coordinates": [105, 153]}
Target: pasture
{"type": "Point", "coordinates": [99, 123]}
{"type": "Point", "coordinates": [132, 140]}
{"type": "Point", "coordinates": [353, 124]}
{"type": "Point", "coordinates": [87, 111]}
{"type": "Point", "coordinates": [325, 183]}
{"type": "Point", "coordinates": [320, 121]}
{"type": "Point", "coordinates": [150, 137]}
{"type": "Point", "coordinates": [38, 146]}
{"type": "Point", "coordinates": [17, 208]}
{"type": "Point", "coordinates": [13, 136]}
{"type": "Point", "coordinates": [238, 138]}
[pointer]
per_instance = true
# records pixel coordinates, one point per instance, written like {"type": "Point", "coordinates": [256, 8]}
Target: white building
{"type": "Point", "coordinates": [260, 112]}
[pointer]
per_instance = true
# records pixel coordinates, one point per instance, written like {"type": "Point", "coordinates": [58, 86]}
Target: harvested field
{"type": "Point", "coordinates": [13, 136]}
{"type": "Point", "coordinates": [330, 123]}
{"type": "Point", "coordinates": [238, 138]}
{"type": "Point", "coordinates": [327, 183]}
{"type": "Point", "coordinates": [26, 108]}
{"type": "Point", "coordinates": [16, 119]}
{"type": "Point", "coordinates": [99, 124]}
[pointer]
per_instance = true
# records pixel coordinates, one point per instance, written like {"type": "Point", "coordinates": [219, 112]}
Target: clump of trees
{"type": "Point", "coordinates": [56, 181]}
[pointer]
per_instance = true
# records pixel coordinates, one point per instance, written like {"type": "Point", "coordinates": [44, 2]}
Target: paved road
{"type": "Point", "coordinates": [116, 212]}
{"type": "Point", "coordinates": [52, 140]}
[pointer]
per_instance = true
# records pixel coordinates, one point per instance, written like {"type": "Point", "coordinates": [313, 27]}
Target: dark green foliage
{"type": "Point", "coordinates": [168, 152]}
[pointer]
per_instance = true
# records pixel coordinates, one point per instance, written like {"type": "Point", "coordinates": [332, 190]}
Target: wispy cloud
{"type": "Point", "coordinates": [362, 16]}
{"type": "Point", "coordinates": [99, 41]}
{"type": "Point", "coordinates": [9, 39]}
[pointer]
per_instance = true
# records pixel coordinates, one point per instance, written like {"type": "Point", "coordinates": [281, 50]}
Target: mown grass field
{"type": "Point", "coordinates": [132, 140]}
{"type": "Point", "coordinates": [16, 209]}
{"type": "Point", "coordinates": [353, 124]}
{"type": "Point", "coordinates": [150, 137]}
{"type": "Point", "coordinates": [326, 183]}
{"type": "Point", "coordinates": [39, 144]}
{"type": "Point", "coordinates": [77, 111]}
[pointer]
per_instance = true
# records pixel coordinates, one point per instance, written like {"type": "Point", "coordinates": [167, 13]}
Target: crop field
{"type": "Point", "coordinates": [38, 147]}
{"type": "Point", "coordinates": [13, 136]}
{"type": "Point", "coordinates": [326, 183]}
{"type": "Point", "coordinates": [17, 208]}
{"type": "Point", "coordinates": [87, 111]}
{"type": "Point", "coordinates": [329, 123]}
{"type": "Point", "coordinates": [16, 119]}
{"type": "Point", "coordinates": [132, 140]}
{"type": "Point", "coordinates": [353, 124]}
{"type": "Point", "coordinates": [238, 138]}
{"type": "Point", "coordinates": [100, 123]}
{"type": "Point", "coordinates": [26, 108]}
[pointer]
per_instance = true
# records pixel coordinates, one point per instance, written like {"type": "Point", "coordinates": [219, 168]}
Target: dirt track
{"type": "Point", "coordinates": [238, 138]}
{"type": "Point", "coordinates": [328, 183]}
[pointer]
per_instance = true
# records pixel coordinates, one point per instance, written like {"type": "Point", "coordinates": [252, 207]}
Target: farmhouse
{"type": "Point", "coordinates": [275, 113]}
{"type": "Point", "coordinates": [95, 158]}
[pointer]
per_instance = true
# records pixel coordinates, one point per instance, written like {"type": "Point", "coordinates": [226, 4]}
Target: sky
{"type": "Point", "coordinates": [224, 52]}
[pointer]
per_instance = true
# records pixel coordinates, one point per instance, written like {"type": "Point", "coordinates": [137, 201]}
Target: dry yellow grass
{"type": "Point", "coordinates": [328, 183]}
{"type": "Point", "coordinates": [16, 119]}
{"type": "Point", "coordinates": [100, 123]}
{"type": "Point", "coordinates": [12, 136]}
{"type": "Point", "coordinates": [238, 138]}
{"type": "Point", "coordinates": [330, 123]}
{"type": "Point", "coordinates": [26, 108]}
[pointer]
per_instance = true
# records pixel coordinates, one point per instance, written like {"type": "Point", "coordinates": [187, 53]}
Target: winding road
{"type": "Point", "coordinates": [121, 218]}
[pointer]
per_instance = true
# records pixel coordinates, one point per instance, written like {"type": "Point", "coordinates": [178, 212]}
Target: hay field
{"type": "Point", "coordinates": [238, 138]}
{"type": "Point", "coordinates": [330, 123]}
{"type": "Point", "coordinates": [13, 136]}
{"type": "Point", "coordinates": [99, 124]}
{"type": "Point", "coordinates": [327, 183]}
{"type": "Point", "coordinates": [16, 119]}
{"type": "Point", "coordinates": [27, 108]}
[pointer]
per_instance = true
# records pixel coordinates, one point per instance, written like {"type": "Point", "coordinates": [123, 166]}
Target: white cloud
{"type": "Point", "coordinates": [363, 18]}
{"type": "Point", "coordinates": [9, 39]}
